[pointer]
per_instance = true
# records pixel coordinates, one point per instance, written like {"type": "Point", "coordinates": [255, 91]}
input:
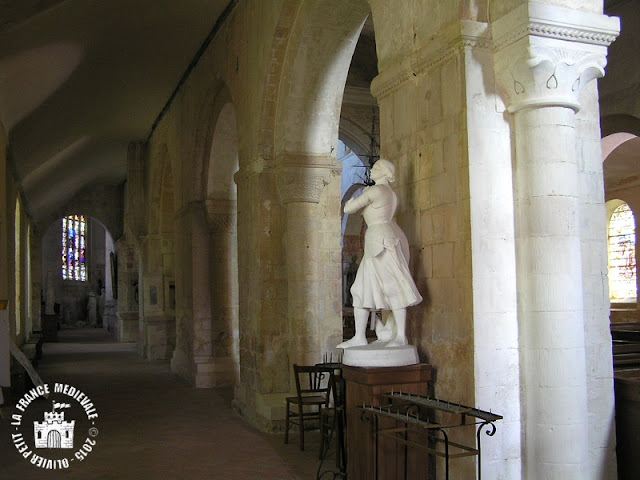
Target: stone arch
{"type": "Point", "coordinates": [166, 200]}
{"type": "Point", "coordinates": [354, 137]}
{"type": "Point", "coordinates": [103, 202]}
{"type": "Point", "coordinates": [611, 124]}
{"type": "Point", "coordinates": [282, 39]}
{"type": "Point", "coordinates": [311, 89]}
{"type": "Point", "coordinates": [311, 92]}
{"type": "Point", "coordinates": [200, 139]}
{"type": "Point", "coordinates": [621, 157]}
{"type": "Point", "coordinates": [161, 172]}
{"type": "Point", "coordinates": [206, 351]}
{"type": "Point", "coordinates": [71, 295]}
{"type": "Point", "coordinates": [157, 263]}
{"type": "Point", "coordinates": [222, 162]}
{"type": "Point", "coordinates": [221, 199]}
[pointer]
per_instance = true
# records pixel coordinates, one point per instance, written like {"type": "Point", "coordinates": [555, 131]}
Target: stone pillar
{"type": "Point", "coordinates": [125, 322]}
{"type": "Point", "coordinates": [264, 343]}
{"type": "Point", "coordinates": [192, 358]}
{"type": "Point", "coordinates": [542, 75]}
{"type": "Point", "coordinates": [158, 330]}
{"type": "Point", "coordinates": [221, 215]}
{"type": "Point", "coordinates": [313, 254]}
{"type": "Point", "coordinates": [128, 325]}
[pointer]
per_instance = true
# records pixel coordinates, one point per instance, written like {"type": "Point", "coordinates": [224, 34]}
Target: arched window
{"type": "Point", "coordinates": [73, 248]}
{"type": "Point", "coordinates": [622, 255]}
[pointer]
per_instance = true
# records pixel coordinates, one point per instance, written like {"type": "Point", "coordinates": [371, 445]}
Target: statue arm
{"type": "Point", "coordinates": [355, 204]}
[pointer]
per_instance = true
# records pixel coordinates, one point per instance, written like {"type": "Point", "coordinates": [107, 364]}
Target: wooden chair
{"type": "Point", "coordinates": [312, 387]}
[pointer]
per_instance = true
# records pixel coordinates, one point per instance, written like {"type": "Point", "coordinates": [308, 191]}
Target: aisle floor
{"type": "Point", "coordinates": [152, 424]}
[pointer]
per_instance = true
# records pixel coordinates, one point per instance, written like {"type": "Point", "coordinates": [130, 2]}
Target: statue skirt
{"type": "Point", "coordinates": [383, 281]}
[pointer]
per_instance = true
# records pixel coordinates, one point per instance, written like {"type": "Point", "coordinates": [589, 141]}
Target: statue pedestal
{"type": "Point", "coordinates": [366, 385]}
{"type": "Point", "coordinates": [377, 355]}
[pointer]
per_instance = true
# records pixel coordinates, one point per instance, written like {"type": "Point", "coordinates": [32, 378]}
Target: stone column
{"type": "Point", "coordinates": [192, 358]}
{"type": "Point", "coordinates": [221, 214]}
{"type": "Point", "coordinates": [158, 324]}
{"type": "Point", "coordinates": [128, 323]}
{"type": "Point", "coordinates": [125, 325]}
{"type": "Point", "coordinates": [263, 345]}
{"type": "Point", "coordinates": [545, 57]}
{"type": "Point", "coordinates": [313, 254]}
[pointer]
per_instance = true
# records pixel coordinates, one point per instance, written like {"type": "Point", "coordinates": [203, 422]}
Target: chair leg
{"type": "Point", "coordinates": [301, 425]}
{"type": "Point", "coordinates": [322, 436]}
{"type": "Point", "coordinates": [286, 427]}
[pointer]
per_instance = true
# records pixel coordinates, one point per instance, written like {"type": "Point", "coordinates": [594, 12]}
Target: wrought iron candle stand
{"type": "Point", "coordinates": [408, 419]}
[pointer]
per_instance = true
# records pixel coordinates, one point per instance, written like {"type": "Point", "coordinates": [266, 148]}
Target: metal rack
{"type": "Point", "coordinates": [410, 413]}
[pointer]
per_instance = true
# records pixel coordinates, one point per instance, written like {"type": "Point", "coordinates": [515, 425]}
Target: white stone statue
{"type": "Point", "coordinates": [383, 281]}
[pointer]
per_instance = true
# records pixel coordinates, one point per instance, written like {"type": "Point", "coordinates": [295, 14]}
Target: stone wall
{"type": "Point", "coordinates": [466, 204]}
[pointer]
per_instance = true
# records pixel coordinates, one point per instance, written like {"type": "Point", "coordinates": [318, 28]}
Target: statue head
{"type": "Point", "coordinates": [383, 169]}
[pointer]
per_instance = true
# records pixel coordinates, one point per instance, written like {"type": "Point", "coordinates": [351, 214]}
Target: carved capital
{"type": "Point", "coordinates": [543, 77]}
{"type": "Point", "coordinates": [301, 178]}
{"type": "Point", "coordinates": [545, 55]}
{"type": "Point", "coordinates": [221, 214]}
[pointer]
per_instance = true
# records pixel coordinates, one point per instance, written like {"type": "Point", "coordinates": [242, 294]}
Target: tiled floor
{"type": "Point", "coordinates": [154, 426]}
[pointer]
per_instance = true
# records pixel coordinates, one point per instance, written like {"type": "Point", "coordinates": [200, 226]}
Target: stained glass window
{"type": "Point", "coordinates": [622, 254]}
{"type": "Point", "coordinates": [73, 248]}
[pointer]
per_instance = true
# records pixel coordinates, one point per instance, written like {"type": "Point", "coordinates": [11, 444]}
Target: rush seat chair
{"type": "Point", "coordinates": [313, 383]}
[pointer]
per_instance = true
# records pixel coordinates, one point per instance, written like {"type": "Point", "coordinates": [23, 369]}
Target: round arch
{"type": "Point", "coordinates": [200, 141]}
{"type": "Point", "coordinates": [100, 266]}
{"type": "Point", "coordinates": [611, 124]}
{"type": "Point", "coordinates": [220, 192]}
{"type": "Point", "coordinates": [166, 200]}
{"type": "Point", "coordinates": [621, 157]}
{"type": "Point", "coordinates": [308, 112]}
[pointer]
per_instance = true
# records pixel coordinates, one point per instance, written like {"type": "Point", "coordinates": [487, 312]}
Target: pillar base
{"type": "Point", "coordinates": [180, 365]}
{"type": "Point", "coordinates": [214, 371]}
{"type": "Point", "coordinates": [159, 337]}
{"type": "Point", "coordinates": [127, 326]}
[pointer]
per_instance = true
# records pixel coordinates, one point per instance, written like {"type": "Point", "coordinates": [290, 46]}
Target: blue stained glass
{"type": "Point", "coordinates": [73, 248]}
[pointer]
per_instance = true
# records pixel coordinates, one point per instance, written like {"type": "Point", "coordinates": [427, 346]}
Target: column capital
{"type": "Point", "coordinates": [302, 177]}
{"type": "Point", "coordinates": [545, 55]}
{"type": "Point", "coordinates": [221, 214]}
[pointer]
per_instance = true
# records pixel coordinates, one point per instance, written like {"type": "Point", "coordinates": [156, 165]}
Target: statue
{"type": "Point", "coordinates": [383, 281]}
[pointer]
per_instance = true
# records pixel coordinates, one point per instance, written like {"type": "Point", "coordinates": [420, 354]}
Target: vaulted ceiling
{"type": "Point", "coordinates": [80, 79]}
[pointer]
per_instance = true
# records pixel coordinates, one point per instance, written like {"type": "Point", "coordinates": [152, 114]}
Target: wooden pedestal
{"type": "Point", "coordinates": [366, 385]}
